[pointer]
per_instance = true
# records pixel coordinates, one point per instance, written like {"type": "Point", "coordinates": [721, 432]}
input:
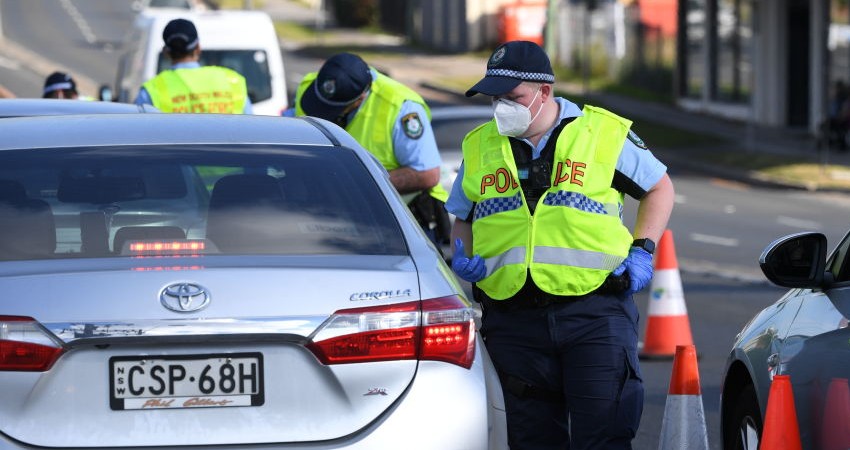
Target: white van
{"type": "Point", "coordinates": [244, 41]}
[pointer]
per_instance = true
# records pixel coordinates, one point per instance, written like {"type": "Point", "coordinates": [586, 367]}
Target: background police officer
{"type": "Point", "coordinates": [59, 85]}
{"type": "Point", "coordinates": [188, 87]}
{"type": "Point", "coordinates": [389, 120]}
{"type": "Point", "coordinates": [539, 200]}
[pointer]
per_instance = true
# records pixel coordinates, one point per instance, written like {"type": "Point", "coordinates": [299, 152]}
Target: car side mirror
{"type": "Point", "coordinates": [795, 261]}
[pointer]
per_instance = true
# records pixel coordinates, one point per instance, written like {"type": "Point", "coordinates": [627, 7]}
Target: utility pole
{"type": "Point", "coordinates": [589, 6]}
{"type": "Point", "coordinates": [550, 37]}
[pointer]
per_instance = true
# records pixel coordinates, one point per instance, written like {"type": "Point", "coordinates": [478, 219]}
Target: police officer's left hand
{"type": "Point", "coordinates": [470, 269]}
{"type": "Point", "coordinates": [639, 265]}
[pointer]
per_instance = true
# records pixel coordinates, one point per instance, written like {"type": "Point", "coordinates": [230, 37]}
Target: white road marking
{"type": "Point", "coordinates": [729, 209]}
{"type": "Point", "coordinates": [680, 199]}
{"type": "Point", "coordinates": [9, 63]}
{"type": "Point", "coordinates": [716, 240]}
{"type": "Point", "coordinates": [79, 20]}
{"type": "Point", "coordinates": [802, 224]}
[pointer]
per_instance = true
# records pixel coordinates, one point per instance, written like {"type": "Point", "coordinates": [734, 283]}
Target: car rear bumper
{"type": "Point", "coordinates": [445, 407]}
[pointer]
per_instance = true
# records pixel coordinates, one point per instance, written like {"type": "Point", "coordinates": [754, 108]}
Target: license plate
{"type": "Point", "coordinates": [186, 381]}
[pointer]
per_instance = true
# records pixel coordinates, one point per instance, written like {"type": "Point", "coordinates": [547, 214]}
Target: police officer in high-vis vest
{"type": "Point", "coordinates": [188, 87]}
{"type": "Point", "coordinates": [389, 120]}
{"type": "Point", "coordinates": [540, 234]}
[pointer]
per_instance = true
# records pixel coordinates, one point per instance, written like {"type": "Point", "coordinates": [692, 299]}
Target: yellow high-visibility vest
{"type": "Point", "coordinates": [372, 126]}
{"type": "Point", "coordinates": [576, 236]}
{"type": "Point", "coordinates": [208, 89]}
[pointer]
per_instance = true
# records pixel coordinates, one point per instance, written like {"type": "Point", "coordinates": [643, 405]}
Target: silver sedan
{"type": "Point", "coordinates": [188, 280]}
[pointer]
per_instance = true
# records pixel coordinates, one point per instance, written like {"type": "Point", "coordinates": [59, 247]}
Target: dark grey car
{"type": "Point", "coordinates": [803, 335]}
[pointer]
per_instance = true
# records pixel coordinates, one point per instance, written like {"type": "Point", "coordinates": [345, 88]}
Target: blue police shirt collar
{"type": "Point", "coordinates": [186, 65]}
{"type": "Point", "coordinates": [566, 109]}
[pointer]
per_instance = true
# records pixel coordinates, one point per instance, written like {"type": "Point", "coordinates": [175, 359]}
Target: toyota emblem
{"type": "Point", "coordinates": [184, 297]}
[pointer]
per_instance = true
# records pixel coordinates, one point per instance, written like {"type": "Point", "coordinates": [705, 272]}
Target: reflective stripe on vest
{"type": "Point", "coordinates": [372, 125]}
{"type": "Point", "coordinates": [576, 236]}
{"type": "Point", "coordinates": [208, 89]}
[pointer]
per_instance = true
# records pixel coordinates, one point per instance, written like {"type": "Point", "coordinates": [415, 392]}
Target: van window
{"type": "Point", "coordinates": [251, 64]}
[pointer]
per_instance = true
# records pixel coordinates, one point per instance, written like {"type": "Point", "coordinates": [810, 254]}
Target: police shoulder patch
{"type": "Point", "coordinates": [636, 140]}
{"type": "Point", "coordinates": [412, 125]}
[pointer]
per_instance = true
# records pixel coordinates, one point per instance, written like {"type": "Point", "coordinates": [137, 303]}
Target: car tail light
{"type": "Point", "coordinates": [26, 346]}
{"type": "Point", "coordinates": [440, 329]}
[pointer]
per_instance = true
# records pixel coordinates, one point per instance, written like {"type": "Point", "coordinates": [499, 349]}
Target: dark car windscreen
{"type": "Point", "coordinates": [179, 200]}
{"type": "Point", "coordinates": [251, 64]}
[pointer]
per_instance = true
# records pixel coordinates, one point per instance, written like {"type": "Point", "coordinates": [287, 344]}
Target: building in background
{"type": "Point", "coordinates": [767, 62]}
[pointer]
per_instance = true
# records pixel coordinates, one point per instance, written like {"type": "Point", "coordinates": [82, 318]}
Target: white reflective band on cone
{"type": "Point", "coordinates": [666, 297]}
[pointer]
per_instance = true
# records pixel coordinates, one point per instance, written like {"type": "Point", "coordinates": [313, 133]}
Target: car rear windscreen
{"type": "Point", "coordinates": [191, 200]}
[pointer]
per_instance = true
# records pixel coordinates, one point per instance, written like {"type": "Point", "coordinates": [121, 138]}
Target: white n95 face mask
{"type": "Point", "coordinates": [512, 118]}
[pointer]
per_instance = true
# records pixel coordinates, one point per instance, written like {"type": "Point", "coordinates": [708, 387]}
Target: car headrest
{"type": "Point", "coordinates": [246, 190]}
{"type": "Point", "coordinates": [12, 191]}
{"type": "Point", "coordinates": [100, 190]}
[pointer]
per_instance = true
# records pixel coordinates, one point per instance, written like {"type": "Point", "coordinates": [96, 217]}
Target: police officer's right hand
{"type": "Point", "coordinates": [469, 269]}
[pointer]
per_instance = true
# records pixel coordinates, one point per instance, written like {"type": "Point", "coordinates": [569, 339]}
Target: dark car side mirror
{"type": "Point", "coordinates": [795, 261]}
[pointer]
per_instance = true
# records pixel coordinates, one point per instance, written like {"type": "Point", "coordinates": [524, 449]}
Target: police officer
{"type": "Point", "coordinates": [59, 85]}
{"type": "Point", "coordinates": [539, 200]}
{"type": "Point", "coordinates": [389, 120]}
{"type": "Point", "coordinates": [188, 87]}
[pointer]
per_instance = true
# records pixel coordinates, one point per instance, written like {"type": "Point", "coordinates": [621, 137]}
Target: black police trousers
{"type": "Point", "coordinates": [569, 371]}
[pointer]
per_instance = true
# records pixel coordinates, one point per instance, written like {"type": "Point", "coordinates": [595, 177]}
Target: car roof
{"type": "Point", "coordinates": [164, 129]}
{"type": "Point", "coordinates": [25, 107]}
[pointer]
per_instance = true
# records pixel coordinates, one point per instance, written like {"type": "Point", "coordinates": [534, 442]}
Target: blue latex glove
{"type": "Point", "coordinates": [469, 269]}
{"type": "Point", "coordinates": [639, 265]}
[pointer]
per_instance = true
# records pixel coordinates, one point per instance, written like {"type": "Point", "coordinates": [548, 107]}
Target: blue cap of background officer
{"type": "Point", "coordinates": [180, 37]}
{"type": "Point", "coordinates": [338, 86]}
{"type": "Point", "coordinates": [59, 85]}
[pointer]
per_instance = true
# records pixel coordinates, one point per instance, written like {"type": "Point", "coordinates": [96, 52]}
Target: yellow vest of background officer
{"type": "Point", "coordinates": [576, 236]}
{"type": "Point", "coordinates": [372, 125]}
{"type": "Point", "coordinates": [209, 89]}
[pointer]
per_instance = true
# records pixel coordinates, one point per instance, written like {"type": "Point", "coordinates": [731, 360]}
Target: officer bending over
{"type": "Point", "coordinates": [392, 122]}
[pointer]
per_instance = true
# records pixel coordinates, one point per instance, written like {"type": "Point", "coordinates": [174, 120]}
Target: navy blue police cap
{"type": "Point", "coordinates": [58, 81]}
{"type": "Point", "coordinates": [510, 64]}
{"type": "Point", "coordinates": [340, 81]}
{"type": "Point", "coordinates": [180, 35]}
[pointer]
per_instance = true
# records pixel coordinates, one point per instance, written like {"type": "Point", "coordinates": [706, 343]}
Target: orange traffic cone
{"type": "Point", "coordinates": [835, 427]}
{"type": "Point", "coordinates": [683, 425]}
{"type": "Point", "coordinates": [667, 324]}
{"type": "Point", "coordinates": [781, 431]}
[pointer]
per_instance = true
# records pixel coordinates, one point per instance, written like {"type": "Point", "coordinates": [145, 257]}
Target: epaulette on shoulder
{"type": "Point", "coordinates": [609, 114]}
{"type": "Point", "coordinates": [600, 110]}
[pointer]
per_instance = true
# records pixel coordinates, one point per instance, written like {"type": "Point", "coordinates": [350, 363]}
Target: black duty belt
{"type": "Point", "coordinates": [532, 297]}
